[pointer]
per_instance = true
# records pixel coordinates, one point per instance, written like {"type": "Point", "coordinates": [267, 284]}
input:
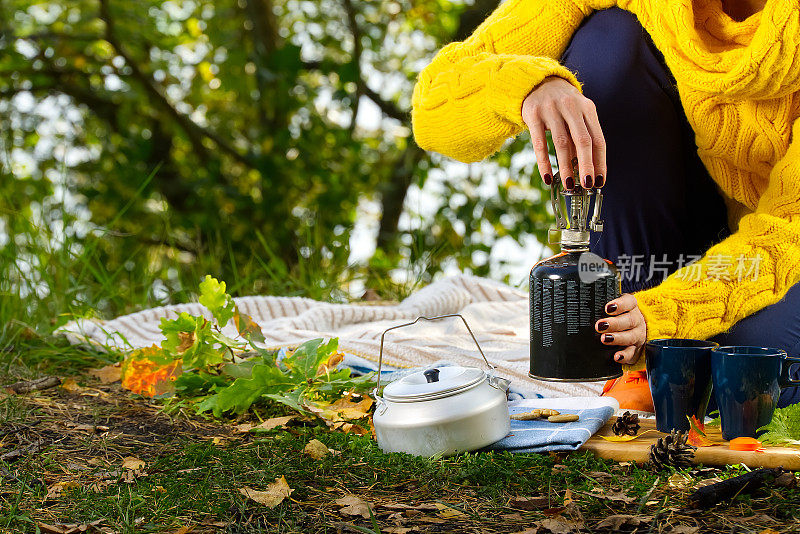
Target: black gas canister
{"type": "Point", "coordinates": [568, 294]}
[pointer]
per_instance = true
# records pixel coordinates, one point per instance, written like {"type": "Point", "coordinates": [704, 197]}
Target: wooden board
{"type": "Point", "coordinates": [638, 450]}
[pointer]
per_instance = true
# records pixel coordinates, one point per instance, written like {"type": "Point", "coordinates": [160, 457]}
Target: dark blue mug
{"type": "Point", "coordinates": [747, 384]}
{"type": "Point", "coordinates": [679, 375]}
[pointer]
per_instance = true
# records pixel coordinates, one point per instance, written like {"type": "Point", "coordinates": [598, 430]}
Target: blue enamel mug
{"type": "Point", "coordinates": [679, 376]}
{"type": "Point", "coordinates": [747, 384]}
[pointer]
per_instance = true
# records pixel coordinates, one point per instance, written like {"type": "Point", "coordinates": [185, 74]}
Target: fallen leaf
{"type": "Point", "coordinates": [274, 494]}
{"type": "Point", "coordinates": [396, 530]}
{"type": "Point", "coordinates": [768, 531]}
{"type": "Point", "coordinates": [627, 438]}
{"type": "Point", "coordinates": [567, 497]}
{"type": "Point", "coordinates": [316, 449]}
{"type": "Point", "coordinates": [516, 517]}
{"type": "Point", "coordinates": [183, 530]}
{"type": "Point", "coordinates": [55, 491]}
{"type": "Point", "coordinates": [679, 481]}
{"type": "Point", "coordinates": [343, 411]}
{"type": "Point", "coordinates": [353, 505]}
{"type": "Point", "coordinates": [132, 463]}
{"type": "Point", "coordinates": [108, 374]}
{"type": "Point", "coordinates": [71, 386]}
{"type": "Point", "coordinates": [558, 526]}
{"type": "Point", "coordinates": [50, 529]}
{"type": "Point", "coordinates": [269, 424]}
{"type": "Point", "coordinates": [530, 503]}
{"type": "Point", "coordinates": [697, 433]}
{"type": "Point", "coordinates": [613, 496]}
{"type": "Point", "coordinates": [685, 529]}
{"type": "Point", "coordinates": [614, 522]}
{"type": "Point", "coordinates": [448, 512]}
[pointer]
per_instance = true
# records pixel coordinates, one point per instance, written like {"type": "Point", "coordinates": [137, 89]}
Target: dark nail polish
{"type": "Point", "coordinates": [618, 357]}
{"type": "Point", "coordinates": [611, 308]}
{"type": "Point", "coordinates": [569, 183]}
{"type": "Point", "coordinates": [588, 182]}
{"type": "Point", "coordinates": [599, 181]}
{"type": "Point", "coordinates": [547, 179]}
{"type": "Point", "coordinates": [602, 325]}
{"type": "Point", "coordinates": [608, 338]}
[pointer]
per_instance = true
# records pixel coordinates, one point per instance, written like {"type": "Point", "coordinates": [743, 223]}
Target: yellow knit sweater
{"type": "Point", "coordinates": [738, 82]}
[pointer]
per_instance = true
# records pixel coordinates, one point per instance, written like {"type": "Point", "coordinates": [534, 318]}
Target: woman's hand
{"type": "Point", "coordinates": [624, 327]}
{"type": "Point", "coordinates": [556, 105]}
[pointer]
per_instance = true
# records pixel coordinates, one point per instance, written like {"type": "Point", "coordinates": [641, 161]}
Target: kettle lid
{"type": "Point", "coordinates": [433, 383]}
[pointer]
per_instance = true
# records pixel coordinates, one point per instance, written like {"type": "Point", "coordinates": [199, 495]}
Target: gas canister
{"type": "Point", "coordinates": [568, 294]}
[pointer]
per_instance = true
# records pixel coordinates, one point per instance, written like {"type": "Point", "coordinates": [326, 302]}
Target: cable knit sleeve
{"type": "Point", "coordinates": [468, 101]}
{"type": "Point", "coordinates": [748, 271]}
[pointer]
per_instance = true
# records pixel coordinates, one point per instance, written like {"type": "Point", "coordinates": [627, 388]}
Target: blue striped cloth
{"type": "Point", "coordinates": [542, 436]}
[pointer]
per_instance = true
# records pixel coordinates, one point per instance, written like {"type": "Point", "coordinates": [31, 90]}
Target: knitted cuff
{"type": "Point", "coordinates": [660, 313]}
{"type": "Point", "coordinates": [515, 78]}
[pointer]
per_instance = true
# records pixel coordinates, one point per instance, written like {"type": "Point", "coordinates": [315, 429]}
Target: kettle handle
{"type": "Point", "coordinates": [418, 319]}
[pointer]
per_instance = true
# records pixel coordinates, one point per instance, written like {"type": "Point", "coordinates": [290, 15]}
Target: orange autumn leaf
{"type": "Point", "coordinates": [697, 433]}
{"type": "Point", "coordinates": [149, 377]}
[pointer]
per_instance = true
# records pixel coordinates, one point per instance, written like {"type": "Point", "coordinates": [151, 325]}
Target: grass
{"type": "Point", "coordinates": [193, 471]}
{"type": "Point", "coordinates": [195, 467]}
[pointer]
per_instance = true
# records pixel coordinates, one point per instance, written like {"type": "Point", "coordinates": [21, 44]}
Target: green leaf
{"type": "Point", "coordinates": [239, 396]}
{"type": "Point", "coordinates": [193, 384]}
{"type": "Point", "coordinates": [218, 302]}
{"type": "Point", "coordinates": [784, 429]}
{"type": "Point", "coordinates": [192, 339]}
{"type": "Point", "coordinates": [309, 356]}
{"type": "Point", "coordinates": [247, 328]}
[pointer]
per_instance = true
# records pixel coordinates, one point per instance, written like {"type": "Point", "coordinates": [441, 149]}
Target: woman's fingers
{"type": "Point", "coordinates": [620, 323]}
{"type": "Point", "coordinates": [622, 339]}
{"type": "Point", "coordinates": [598, 142]}
{"type": "Point", "coordinates": [563, 144]}
{"type": "Point", "coordinates": [539, 140]}
{"type": "Point", "coordinates": [581, 141]}
{"type": "Point", "coordinates": [628, 355]}
{"type": "Point", "coordinates": [622, 304]}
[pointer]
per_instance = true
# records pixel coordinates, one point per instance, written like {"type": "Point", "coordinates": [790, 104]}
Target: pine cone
{"type": "Point", "coordinates": [626, 424]}
{"type": "Point", "coordinates": [672, 450]}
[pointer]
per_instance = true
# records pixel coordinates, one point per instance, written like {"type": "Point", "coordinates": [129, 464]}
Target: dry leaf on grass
{"type": "Point", "coordinates": [108, 374]}
{"type": "Point", "coordinates": [55, 491]}
{"type": "Point", "coordinates": [132, 463]}
{"type": "Point", "coordinates": [73, 528]}
{"type": "Point", "coordinates": [269, 424]}
{"type": "Point", "coordinates": [686, 529]}
{"type": "Point", "coordinates": [448, 512]}
{"type": "Point", "coordinates": [679, 481]}
{"type": "Point", "coordinates": [613, 496]}
{"type": "Point", "coordinates": [615, 522]}
{"type": "Point", "coordinates": [558, 526]}
{"type": "Point", "coordinates": [353, 505]}
{"type": "Point", "coordinates": [538, 502]}
{"type": "Point", "coordinates": [273, 496]}
{"type": "Point", "coordinates": [316, 449]}
{"type": "Point", "coordinates": [71, 386]}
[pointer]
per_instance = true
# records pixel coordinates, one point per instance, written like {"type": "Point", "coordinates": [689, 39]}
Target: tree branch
{"type": "Point", "coordinates": [192, 129]}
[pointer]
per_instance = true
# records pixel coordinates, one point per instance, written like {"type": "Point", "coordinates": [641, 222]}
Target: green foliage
{"type": "Point", "coordinates": [784, 429]}
{"type": "Point", "coordinates": [305, 375]}
{"type": "Point", "coordinates": [148, 142]}
{"type": "Point", "coordinates": [218, 302]}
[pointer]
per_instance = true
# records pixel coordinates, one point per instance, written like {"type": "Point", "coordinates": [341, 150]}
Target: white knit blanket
{"type": "Point", "coordinates": [496, 313]}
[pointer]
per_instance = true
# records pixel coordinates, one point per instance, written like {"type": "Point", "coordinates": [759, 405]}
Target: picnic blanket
{"type": "Point", "coordinates": [496, 313]}
{"type": "Point", "coordinates": [540, 435]}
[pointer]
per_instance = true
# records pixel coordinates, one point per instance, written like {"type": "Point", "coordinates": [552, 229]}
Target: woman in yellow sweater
{"type": "Point", "coordinates": [685, 113]}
